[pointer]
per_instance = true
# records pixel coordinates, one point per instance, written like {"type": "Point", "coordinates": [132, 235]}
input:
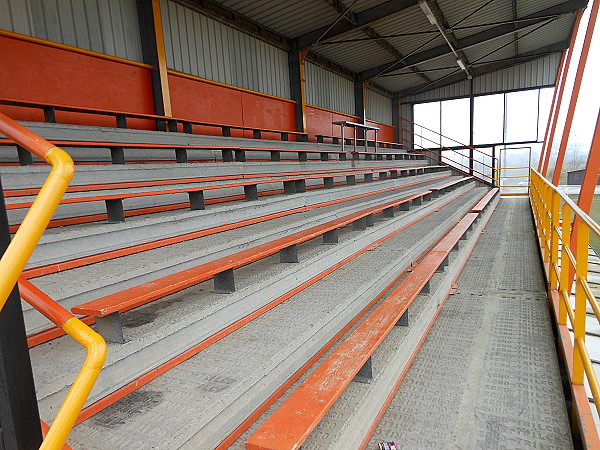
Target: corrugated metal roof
{"type": "Point", "coordinates": [362, 5]}
{"type": "Point", "coordinates": [556, 31]}
{"type": "Point", "coordinates": [526, 8]}
{"type": "Point", "coordinates": [410, 20]}
{"type": "Point", "coordinates": [458, 13]}
{"type": "Point", "coordinates": [356, 56]}
{"type": "Point", "coordinates": [398, 83]}
{"type": "Point", "coordinates": [290, 18]}
{"type": "Point", "coordinates": [492, 50]}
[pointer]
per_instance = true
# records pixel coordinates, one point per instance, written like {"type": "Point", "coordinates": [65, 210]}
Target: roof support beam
{"type": "Point", "coordinates": [473, 40]}
{"type": "Point", "coordinates": [486, 68]}
{"type": "Point", "coordinates": [370, 32]}
{"type": "Point", "coordinates": [356, 21]}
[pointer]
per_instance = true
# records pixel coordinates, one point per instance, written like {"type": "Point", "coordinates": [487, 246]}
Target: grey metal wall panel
{"type": "Point", "coordinates": [537, 73]}
{"type": "Point", "coordinates": [406, 126]}
{"type": "Point", "coordinates": [532, 74]}
{"type": "Point", "coordinates": [328, 90]}
{"type": "Point", "coordinates": [105, 26]}
{"type": "Point", "coordinates": [452, 90]}
{"type": "Point", "coordinates": [200, 46]}
{"type": "Point", "coordinates": [379, 107]}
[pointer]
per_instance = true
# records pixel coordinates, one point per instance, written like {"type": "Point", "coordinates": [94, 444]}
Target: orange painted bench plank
{"type": "Point", "coordinates": [452, 183]}
{"type": "Point", "coordinates": [292, 423]}
{"type": "Point", "coordinates": [485, 200]}
{"type": "Point", "coordinates": [153, 290]}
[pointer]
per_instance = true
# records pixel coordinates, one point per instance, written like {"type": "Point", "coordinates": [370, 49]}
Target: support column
{"type": "Point", "coordinates": [396, 119]}
{"type": "Point", "coordinates": [153, 48]}
{"type": "Point", "coordinates": [575, 94]}
{"type": "Point", "coordinates": [19, 416]}
{"type": "Point", "coordinates": [297, 82]}
{"type": "Point", "coordinates": [360, 101]}
{"type": "Point", "coordinates": [471, 130]}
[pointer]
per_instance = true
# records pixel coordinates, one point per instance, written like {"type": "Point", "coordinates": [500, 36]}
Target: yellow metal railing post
{"type": "Point", "coordinates": [546, 222]}
{"type": "Point", "coordinates": [554, 224]}
{"type": "Point", "coordinates": [581, 270]}
{"type": "Point", "coordinates": [565, 265]}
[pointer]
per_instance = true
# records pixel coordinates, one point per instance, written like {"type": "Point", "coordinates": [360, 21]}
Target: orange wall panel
{"type": "Point", "coordinates": [37, 72]}
{"type": "Point", "coordinates": [319, 121]}
{"type": "Point", "coordinates": [198, 100]}
{"type": "Point", "coordinates": [386, 132]}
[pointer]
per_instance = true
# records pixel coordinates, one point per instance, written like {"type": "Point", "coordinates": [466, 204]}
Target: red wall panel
{"type": "Point", "coordinates": [208, 102]}
{"type": "Point", "coordinates": [320, 121]}
{"type": "Point", "coordinates": [386, 132]}
{"type": "Point", "coordinates": [37, 72]}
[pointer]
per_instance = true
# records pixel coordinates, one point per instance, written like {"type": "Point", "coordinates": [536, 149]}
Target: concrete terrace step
{"type": "Point", "coordinates": [61, 244]}
{"type": "Point", "coordinates": [104, 278]}
{"type": "Point", "coordinates": [347, 423]}
{"type": "Point", "coordinates": [66, 132]}
{"type": "Point", "coordinates": [20, 177]}
{"type": "Point", "coordinates": [81, 204]}
{"type": "Point", "coordinates": [227, 381]}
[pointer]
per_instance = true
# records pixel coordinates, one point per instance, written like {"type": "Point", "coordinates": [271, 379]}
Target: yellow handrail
{"type": "Point", "coordinates": [35, 222]}
{"type": "Point", "coordinates": [559, 221]}
{"type": "Point", "coordinates": [83, 384]}
{"type": "Point", "coordinates": [15, 258]}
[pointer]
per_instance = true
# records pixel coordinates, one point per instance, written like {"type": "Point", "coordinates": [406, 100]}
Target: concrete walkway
{"type": "Point", "coordinates": [487, 374]}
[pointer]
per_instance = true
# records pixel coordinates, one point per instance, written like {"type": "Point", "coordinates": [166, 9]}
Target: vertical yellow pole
{"type": "Point", "coordinates": [554, 223]}
{"type": "Point", "coordinates": [581, 270]}
{"type": "Point", "coordinates": [565, 264]}
{"type": "Point", "coordinates": [546, 221]}
{"type": "Point", "coordinates": [162, 59]}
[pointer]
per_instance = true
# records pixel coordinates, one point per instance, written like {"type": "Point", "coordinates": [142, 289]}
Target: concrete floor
{"type": "Point", "coordinates": [487, 374]}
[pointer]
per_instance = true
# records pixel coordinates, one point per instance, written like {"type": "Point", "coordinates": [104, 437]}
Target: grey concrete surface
{"type": "Point", "coordinates": [101, 134]}
{"type": "Point", "coordinates": [198, 403]}
{"type": "Point", "coordinates": [487, 375]}
{"type": "Point", "coordinates": [61, 244]}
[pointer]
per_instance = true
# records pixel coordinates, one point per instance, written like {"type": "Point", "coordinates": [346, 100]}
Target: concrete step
{"type": "Point", "coordinates": [61, 244]}
{"type": "Point", "coordinates": [99, 207]}
{"type": "Point", "coordinates": [229, 379]}
{"type": "Point", "coordinates": [19, 177]}
{"type": "Point", "coordinates": [120, 135]}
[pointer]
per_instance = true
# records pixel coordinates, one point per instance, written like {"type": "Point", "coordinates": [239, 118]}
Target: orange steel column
{"type": "Point", "coordinates": [162, 59]}
{"type": "Point", "coordinates": [592, 170]}
{"type": "Point", "coordinates": [554, 105]}
{"type": "Point", "coordinates": [575, 94]}
{"type": "Point", "coordinates": [550, 140]}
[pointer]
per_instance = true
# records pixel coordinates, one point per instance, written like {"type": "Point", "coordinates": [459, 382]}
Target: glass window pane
{"type": "Point", "coordinates": [545, 104]}
{"type": "Point", "coordinates": [427, 125]}
{"type": "Point", "coordinates": [455, 122]}
{"type": "Point", "coordinates": [521, 116]}
{"type": "Point", "coordinates": [489, 119]}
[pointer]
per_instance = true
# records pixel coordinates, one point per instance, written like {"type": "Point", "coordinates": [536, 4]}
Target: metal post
{"type": "Point", "coordinates": [19, 416]}
{"type": "Point", "coordinates": [297, 82]}
{"type": "Point", "coordinates": [575, 94]}
{"type": "Point", "coordinates": [153, 48]}
{"type": "Point", "coordinates": [560, 93]}
{"type": "Point", "coordinates": [592, 170]}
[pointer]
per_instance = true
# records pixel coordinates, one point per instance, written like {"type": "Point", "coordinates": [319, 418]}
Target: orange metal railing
{"type": "Point", "coordinates": [493, 166]}
{"type": "Point", "coordinates": [15, 258]}
{"type": "Point", "coordinates": [564, 231]}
